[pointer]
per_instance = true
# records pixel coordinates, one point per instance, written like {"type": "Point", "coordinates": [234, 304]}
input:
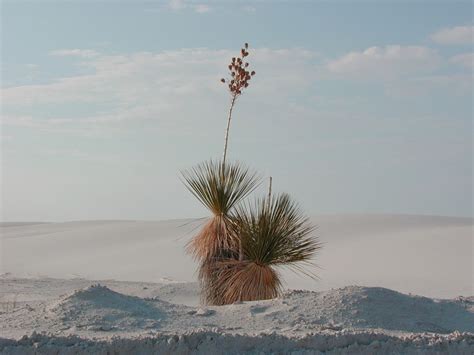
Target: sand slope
{"type": "Point", "coordinates": [424, 255]}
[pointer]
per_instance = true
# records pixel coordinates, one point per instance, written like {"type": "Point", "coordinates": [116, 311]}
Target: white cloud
{"type": "Point", "coordinates": [141, 86]}
{"type": "Point", "coordinates": [83, 53]}
{"type": "Point", "coordinates": [202, 9]}
{"type": "Point", "coordinates": [249, 8]}
{"type": "Point", "coordinates": [157, 86]}
{"type": "Point", "coordinates": [465, 60]}
{"type": "Point", "coordinates": [178, 5]}
{"type": "Point", "coordinates": [434, 84]}
{"type": "Point", "coordinates": [454, 35]}
{"type": "Point", "coordinates": [389, 62]}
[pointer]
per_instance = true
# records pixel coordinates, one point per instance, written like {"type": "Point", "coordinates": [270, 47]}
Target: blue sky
{"type": "Point", "coordinates": [357, 107]}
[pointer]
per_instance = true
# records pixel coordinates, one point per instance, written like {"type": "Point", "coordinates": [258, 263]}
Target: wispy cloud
{"type": "Point", "coordinates": [83, 53]}
{"type": "Point", "coordinates": [445, 85]}
{"type": "Point", "coordinates": [404, 71]}
{"type": "Point", "coordinates": [143, 86]}
{"type": "Point", "coordinates": [387, 62]}
{"type": "Point", "coordinates": [86, 156]}
{"type": "Point", "coordinates": [249, 8]}
{"type": "Point", "coordinates": [178, 5]}
{"type": "Point", "coordinates": [202, 9]}
{"type": "Point", "coordinates": [465, 60]}
{"type": "Point", "coordinates": [454, 35]}
{"type": "Point", "coordinates": [154, 86]}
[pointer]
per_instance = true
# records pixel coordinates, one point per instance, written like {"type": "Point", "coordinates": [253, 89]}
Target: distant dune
{"type": "Point", "coordinates": [424, 255]}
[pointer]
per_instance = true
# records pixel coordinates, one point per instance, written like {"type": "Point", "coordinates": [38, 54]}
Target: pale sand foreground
{"type": "Point", "coordinates": [430, 256]}
{"type": "Point", "coordinates": [134, 317]}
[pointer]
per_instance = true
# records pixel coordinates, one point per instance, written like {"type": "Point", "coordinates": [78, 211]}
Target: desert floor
{"type": "Point", "coordinates": [388, 284]}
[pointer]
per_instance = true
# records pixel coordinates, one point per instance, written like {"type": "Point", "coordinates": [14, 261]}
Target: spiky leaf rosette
{"type": "Point", "coordinates": [276, 232]}
{"type": "Point", "coordinates": [273, 233]}
{"type": "Point", "coordinates": [219, 187]}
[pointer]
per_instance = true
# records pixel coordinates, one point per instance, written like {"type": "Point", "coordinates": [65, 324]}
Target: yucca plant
{"type": "Point", "coordinates": [240, 246]}
{"type": "Point", "coordinates": [219, 187]}
{"type": "Point", "coordinates": [274, 233]}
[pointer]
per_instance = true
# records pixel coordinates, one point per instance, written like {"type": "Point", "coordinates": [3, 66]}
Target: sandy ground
{"type": "Point", "coordinates": [58, 312]}
{"type": "Point", "coordinates": [146, 302]}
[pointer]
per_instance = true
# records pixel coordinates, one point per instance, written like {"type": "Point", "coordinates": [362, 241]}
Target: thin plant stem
{"type": "Point", "coordinates": [270, 191]}
{"type": "Point", "coordinates": [226, 138]}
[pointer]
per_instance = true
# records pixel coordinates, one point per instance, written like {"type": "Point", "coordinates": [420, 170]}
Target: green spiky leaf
{"type": "Point", "coordinates": [220, 187]}
{"type": "Point", "coordinates": [275, 232]}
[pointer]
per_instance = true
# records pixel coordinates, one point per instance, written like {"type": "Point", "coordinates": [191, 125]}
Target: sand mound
{"type": "Point", "coordinates": [376, 307]}
{"type": "Point", "coordinates": [130, 317]}
{"type": "Point", "coordinates": [125, 308]}
{"type": "Point", "coordinates": [99, 308]}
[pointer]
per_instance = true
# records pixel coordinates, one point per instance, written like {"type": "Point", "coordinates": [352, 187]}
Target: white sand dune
{"type": "Point", "coordinates": [425, 255]}
{"type": "Point", "coordinates": [146, 303]}
{"type": "Point", "coordinates": [347, 320]}
{"type": "Point", "coordinates": [133, 307]}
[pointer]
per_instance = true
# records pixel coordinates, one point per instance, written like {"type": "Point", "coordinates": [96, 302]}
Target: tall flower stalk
{"type": "Point", "coordinates": [238, 80]}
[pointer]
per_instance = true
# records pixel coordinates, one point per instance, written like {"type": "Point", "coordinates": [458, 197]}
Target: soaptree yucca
{"type": "Point", "coordinates": [273, 233]}
{"type": "Point", "coordinates": [241, 245]}
{"type": "Point", "coordinates": [219, 187]}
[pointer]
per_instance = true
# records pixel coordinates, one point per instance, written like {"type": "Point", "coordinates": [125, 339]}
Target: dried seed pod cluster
{"type": "Point", "coordinates": [240, 75]}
